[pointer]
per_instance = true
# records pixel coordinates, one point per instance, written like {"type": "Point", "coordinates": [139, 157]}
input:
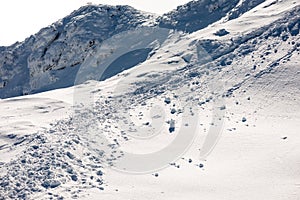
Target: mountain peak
{"type": "Point", "coordinates": [66, 43]}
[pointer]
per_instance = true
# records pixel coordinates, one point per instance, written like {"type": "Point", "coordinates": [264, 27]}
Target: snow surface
{"type": "Point", "coordinates": [53, 145]}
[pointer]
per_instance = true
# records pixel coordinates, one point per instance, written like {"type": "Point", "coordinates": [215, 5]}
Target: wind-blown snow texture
{"type": "Point", "coordinates": [258, 66]}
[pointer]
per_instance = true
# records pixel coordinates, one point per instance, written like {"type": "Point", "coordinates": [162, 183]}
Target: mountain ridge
{"type": "Point", "coordinates": [50, 58]}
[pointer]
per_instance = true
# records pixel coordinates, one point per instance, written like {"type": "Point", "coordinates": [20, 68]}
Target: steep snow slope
{"type": "Point", "coordinates": [257, 66]}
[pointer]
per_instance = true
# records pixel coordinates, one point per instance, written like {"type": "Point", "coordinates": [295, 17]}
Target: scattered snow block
{"type": "Point", "coordinates": [70, 170]}
{"type": "Point", "coordinates": [173, 62]}
{"type": "Point", "coordinates": [244, 119]}
{"type": "Point", "coordinates": [221, 32]}
{"type": "Point", "coordinates": [172, 126]}
{"type": "Point", "coordinates": [71, 156]}
{"type": "Point", "coordinates": [147, 124]}
{"type": "Point", "coordinates": [101, 188]}
{"type": "Point", "coordinates": [99, 181]}
{"type": "Point", "coordinates": [167, 100]}
{"type": "Point", "coordinates": [74, 178]}
{"type": "Point", "coordinates": [284, 37]}
{"type": "Point", "coordinates": [51, 184]}
{"type": "Point", "coordinates": [99, 173]}
{"type": "Point", "coordinates": [11, 136]}
{"type": "Point", "coordinates": [173, 111]}
{"type": "Point", "coordinates": [54, 184]}
{"type": "Point", "coordinates": [222, 107]}
{"type": "Point", "coordinates": [46, 184]}
{"type": "Point", "coordinates": [20, 141]}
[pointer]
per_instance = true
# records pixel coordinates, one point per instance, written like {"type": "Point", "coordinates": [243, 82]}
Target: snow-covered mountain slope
{"type": "Point", "coordinates": [56, 146]}
{"type": "Point", "coordinates": [50, 58]}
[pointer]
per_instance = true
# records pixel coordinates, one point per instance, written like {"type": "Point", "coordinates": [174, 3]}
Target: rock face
{"type": "Point", "coordinates": [196, 15]}
{"type": "Point", "coordinates": [50, 58]}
